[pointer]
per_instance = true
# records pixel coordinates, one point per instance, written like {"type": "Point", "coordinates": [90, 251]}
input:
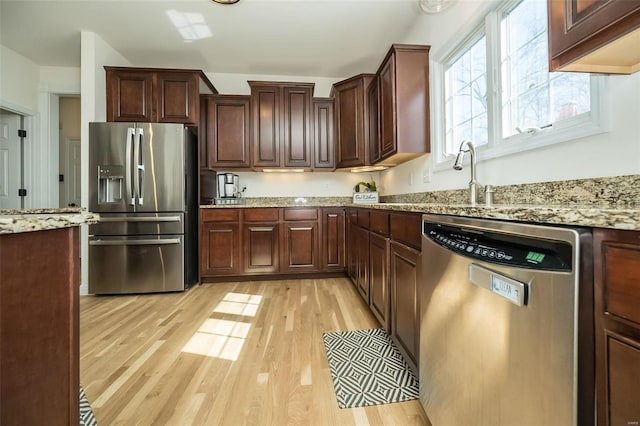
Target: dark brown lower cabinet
{"type": "Point", "coordinates": [261, 243]}
{"type": "Point", "coordinates": [361, 251]}
{"type": "Point", "coordinates": [39, 328]}
{"type": "Point", "coordinates": [350, 255]}
{"type": "Point", "coordinates": [404, 277]}
{"type": "Point", "coordinates": [332, 240]}
{"type": "Point", "coordinates": [300, 248]}
{"type": "Point", "coordinates": [617, 321]}
{"type": "Point", "coordinates": [379, 278]}
{"type": "Point", "coordinates": [219, 248]}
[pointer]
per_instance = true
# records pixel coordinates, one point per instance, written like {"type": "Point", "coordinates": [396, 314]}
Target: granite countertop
{"type": "Point", "coordinates": [30, 220]}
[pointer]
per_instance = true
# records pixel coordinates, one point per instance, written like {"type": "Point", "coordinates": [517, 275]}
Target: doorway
{"type": "Point", "coordinates": [11, 161]}
{"type": "Point", "coordinates": [69, 177]}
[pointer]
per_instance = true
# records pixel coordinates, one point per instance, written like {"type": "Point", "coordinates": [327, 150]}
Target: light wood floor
{"type": "Point", "coordinates": [246, 353]}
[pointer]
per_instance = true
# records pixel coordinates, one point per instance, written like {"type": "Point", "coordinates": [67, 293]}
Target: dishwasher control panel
{"type": "Point", "coordinates": [502, 249]}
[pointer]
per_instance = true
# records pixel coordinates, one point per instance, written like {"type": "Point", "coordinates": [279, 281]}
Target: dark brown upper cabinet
{"type": "Point", "coordinates": [324, 156]}
{"type": "Point", "coordinates": [403, 105]}
{"type": "Point", "coordinates": [600, 36]}
{"type": "Point", "coordinates": [374, 125]}
{"type": "Point", "coordinates": [352, 121]}
{"type": "Point", "coordinates": [155, 95]}
{"type": "Point", "coordinates": [281, 124]}
{"type": "Point", "coordinates": [227, 131]}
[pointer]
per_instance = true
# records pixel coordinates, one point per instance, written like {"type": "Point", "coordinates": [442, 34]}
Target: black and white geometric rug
{"type": "Point", "coordinates": [86, 413]}
{"type": "Point", "coordinates": [367, 369]}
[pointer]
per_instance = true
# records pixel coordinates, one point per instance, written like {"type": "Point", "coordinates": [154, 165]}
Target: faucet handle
{"type": "Point", "coordinates": [488, 195]}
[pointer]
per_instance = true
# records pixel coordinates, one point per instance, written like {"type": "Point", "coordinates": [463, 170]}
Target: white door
{"type": "Point", "coordinates": [10, 160]}
{"type": "Point", "coordinates": [72, 180]}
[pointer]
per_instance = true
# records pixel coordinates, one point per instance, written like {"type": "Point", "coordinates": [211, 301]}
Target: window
{"type": "Point", "coordinates": [529, 106]}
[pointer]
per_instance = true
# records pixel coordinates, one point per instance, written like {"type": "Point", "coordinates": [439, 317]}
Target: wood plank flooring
{"type": "Point", "coordinates": [240, 353]}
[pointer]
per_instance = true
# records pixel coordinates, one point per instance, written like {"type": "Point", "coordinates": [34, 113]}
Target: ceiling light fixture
{"type": "Point", "coordinates": [225, 1]}
{"type": "Point", "coordinates": [434, 6]}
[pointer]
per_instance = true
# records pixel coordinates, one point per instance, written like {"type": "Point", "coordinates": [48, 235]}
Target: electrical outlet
{"type": "Point", "coordinates": [426, 175]}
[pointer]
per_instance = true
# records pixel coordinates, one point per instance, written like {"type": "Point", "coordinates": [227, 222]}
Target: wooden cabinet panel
{"type": "Point", "coordinates": [261, 215]}
{"type": "Point", "coordinates": [406, 228]}
{"type": "Point", "coordinates": [265, 115]}
{"type": "Point", "coordinates": [300, 247]}
{"type": "Point", "coordinates": [350, 245]}
{"type": "Point", "coordinates": [297, 126]}
{"type": "Point", "coordinates": [616, 257]}
{"type": "Point", "coordinates": [379, 278]}
{"type": "Point", "coordinates": [261, 248]}
{"type": "Point", "coordinates": [379, 222]}
{"type": "Point", "coordinates": [373, 99]}
{"type": "Point", "coordinates": [324, 134]}
{"type": "Point", "coordinates": [333, 239]}
{"type": "Point", "coordinates": [219, 249]}
{"type": "Point", "coordinates": [155, 95]}
{"type": "Point", "coordinates": [228, 131]}
{"type": "Point", "coordinates": [363, 218]}
{"type": "Point", "coordinates": [594, 35]}
{"type": "Point", "coordinates": [624, 375]}
{"type": "Point", "coordinates": [296, 213]}
{"type": "Point", "coordinates": [177, 97]}
{"type": "Point", "coordinates": [130, 96]}
{"type": "Point", "coordinates": [352, 121]}
{"type": "Point", "coordinates": [361, 249]}
{"type": "Point", "coordinates": [404, 278]}
{"type": "Point", "coordinates": [220, 215]}
{"type": "Point", "coordinates": [403, 81]}
{"type": "Point", "coordinates": [39, 328]}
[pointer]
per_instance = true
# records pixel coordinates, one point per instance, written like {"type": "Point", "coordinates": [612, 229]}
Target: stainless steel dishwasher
{"type": "Point", "coordinates": [506, 324]}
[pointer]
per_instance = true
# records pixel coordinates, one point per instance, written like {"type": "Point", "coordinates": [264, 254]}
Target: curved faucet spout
{"type": "Point", "coordinates": [473, 183]}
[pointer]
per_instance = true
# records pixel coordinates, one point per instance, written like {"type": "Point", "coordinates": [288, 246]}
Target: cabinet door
{"type": "Point", "coordinates": [219, 249]}
{"type": "Point", "coordinates": [203, 142]}
{"type": "Point", "coordinates": [178, 98]}
{"type": "Point", "coordinates": [296, 126]}
{"type": "Point", "coordinates": [228, 131]}
{"type": "Point", "coordinates": [352, 121]}
{"type": "Point", "coordinates": [379, 278]}
{"type": "Point", "coordinates": [265, 116]}
{"type": "Point", "coordinates": [387, 108]}
{"type": "Point", "coordinates": [362, 261]}
{"type": "Point", "coordinates": [404, 277]}
{"type": "Point", "coordinates": [260, 243]}
{"type": "Point", "coordinates": [579, 27]}
{"type": "Point", "coordinates": [617, 322]}
{"type": "Point", "coordinates": [300, 248]}
{"type": "Point", "coordinates": [129, 96]}
{"type": "Point", "coordinates": [374, 120]}
{"type": "Point", "coordinates": [324, 135]}
{"type": "Point", "coordinates": [333, 236]}
{"type": "Point", "coordinates": [351, 257]}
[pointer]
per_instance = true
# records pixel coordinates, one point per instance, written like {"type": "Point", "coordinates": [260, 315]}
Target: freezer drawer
{"type": "Point", "coordinates": [136, 264]}
{"type": "Point", "coordinates": [138, 224]}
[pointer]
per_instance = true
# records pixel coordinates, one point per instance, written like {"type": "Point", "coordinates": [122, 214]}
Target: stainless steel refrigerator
{"type": "Point", "coordinates": [143, 183]}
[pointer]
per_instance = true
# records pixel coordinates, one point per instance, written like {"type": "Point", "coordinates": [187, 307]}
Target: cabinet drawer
{"type": "Point", "coordinates": [363, 218]}
{"type": "Point", "coordinates": [220, 215]}
{"type": "Point", "coordinates": [260, 215]}
{"type": "Point", "coordinates": [379, 222]}
{"type": "Point", "coordinates": [300, 214]}
{"type": "Point", "coordinates": [353, 216]}
{"type": "Point", "coordinates": [406, 228]}
{"type": "Point", "coordinates": [622, 280]}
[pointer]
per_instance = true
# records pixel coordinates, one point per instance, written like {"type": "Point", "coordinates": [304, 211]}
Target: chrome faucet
{"type": "Point", "coordinates": [473, 183]}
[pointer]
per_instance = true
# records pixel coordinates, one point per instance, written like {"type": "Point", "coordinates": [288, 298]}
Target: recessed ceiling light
{"type": "Point", "coordinates": [226, 1]}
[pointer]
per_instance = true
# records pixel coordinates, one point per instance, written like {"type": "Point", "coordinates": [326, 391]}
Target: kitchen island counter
{"type": "Point", "coordinates": [30, 220]}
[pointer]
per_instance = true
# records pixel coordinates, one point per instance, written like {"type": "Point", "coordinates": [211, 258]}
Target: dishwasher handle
{"type": "Point", "coordinates": [513, 290]}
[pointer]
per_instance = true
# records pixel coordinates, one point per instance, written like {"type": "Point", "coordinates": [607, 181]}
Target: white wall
{"type": "Point", "coordinates": [18, 80]}
{"type": "Point", "coordinates": [614, 153]}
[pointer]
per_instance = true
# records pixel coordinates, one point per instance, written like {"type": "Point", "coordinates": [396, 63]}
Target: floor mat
{"type": "Point", "coordinates": [367, 369]}
{"type": "Point", "coordinates": [86, 413]}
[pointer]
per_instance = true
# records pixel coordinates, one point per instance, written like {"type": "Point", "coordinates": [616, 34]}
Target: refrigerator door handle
{"type": "Point", "coordinates": [140, 219]}
{"type": "Point", "coordinates": [130, 190]}
{"type": "Point", "coordinates": [139, 155]}
{"type": "Point", "coordinates": [149, 242]}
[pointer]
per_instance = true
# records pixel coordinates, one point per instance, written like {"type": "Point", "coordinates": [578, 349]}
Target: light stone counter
{"type": "Point", "coordinates": [17, 221]}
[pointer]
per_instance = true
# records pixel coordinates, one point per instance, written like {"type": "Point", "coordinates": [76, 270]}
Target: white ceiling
{"type": "Point", "coordinates": [323, 38]}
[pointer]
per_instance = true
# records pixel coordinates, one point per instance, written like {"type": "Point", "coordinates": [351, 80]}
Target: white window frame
{"type": "Point", "coordinates": [591, 123]}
